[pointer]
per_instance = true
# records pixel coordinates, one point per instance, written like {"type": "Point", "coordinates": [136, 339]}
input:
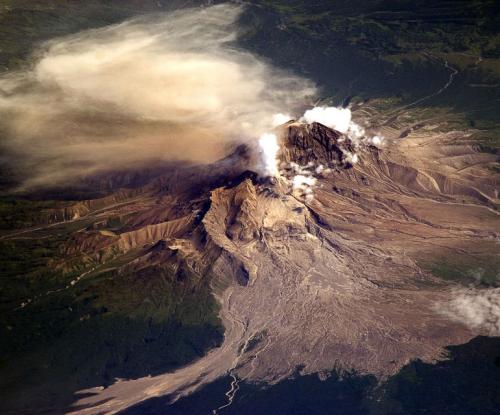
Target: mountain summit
{"type": "Point", "coordinates": [323, 268]}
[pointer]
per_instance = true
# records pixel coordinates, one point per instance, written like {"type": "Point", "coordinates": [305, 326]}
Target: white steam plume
{"type": "Point", "coordinates": [280, 119]}
{"type": "Point", "coordinates": [269, 147]}
{"type": "Point", "coordinates": [299, 181]}
{"type": "Point", "coordinates": [170, 87]}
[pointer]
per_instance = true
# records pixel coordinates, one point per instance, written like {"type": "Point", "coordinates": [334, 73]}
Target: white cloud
{"type": "Point", "coordinates": [479, 309]}
{"type": "Point", "coordinates": [337, 118]}
{"type": "Point", "coordinates": [340, 119]}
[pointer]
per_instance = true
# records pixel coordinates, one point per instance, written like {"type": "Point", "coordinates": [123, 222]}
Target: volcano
{"type": "Point", "coordinates": [333, 276]}
{"type": "Point", "coordinates": [249, 208]}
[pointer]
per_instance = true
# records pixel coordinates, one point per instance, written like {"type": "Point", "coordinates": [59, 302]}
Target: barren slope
{"type": "Point", "coordinates": [334, 282]}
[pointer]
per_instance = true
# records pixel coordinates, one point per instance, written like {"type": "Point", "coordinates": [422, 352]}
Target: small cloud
{"type": "Point", "coordinates": [337, 118]}
{"type": "Point", "coordinates": [478, 309]}
{"type": "Point", "coordinates": [340, 119]}
{"type": "Point", "coordinates": [303, 182]}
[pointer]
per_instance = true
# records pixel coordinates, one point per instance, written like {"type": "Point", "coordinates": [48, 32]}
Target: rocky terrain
{"type": "Point", "coordinates": [339, 275]}
{"type": "Point", "coordinates": [364, 277]}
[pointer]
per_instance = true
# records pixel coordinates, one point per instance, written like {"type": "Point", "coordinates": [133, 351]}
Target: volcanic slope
{"type": "Point", "coordinates": [340, 280]}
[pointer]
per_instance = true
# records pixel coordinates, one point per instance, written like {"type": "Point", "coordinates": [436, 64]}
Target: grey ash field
{"type": "Point", "coordinates": [204, 288]}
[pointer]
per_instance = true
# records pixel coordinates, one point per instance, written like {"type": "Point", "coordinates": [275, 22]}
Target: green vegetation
{"type": "Point", "coordinates": [390, 27]}
{"type": "Point", "coordinates": [386, 48]}
{"type": "Point", "coordinates": [25, 23]}
{"type": "Point", "coordinates": [147, 321]}
{"type": "Point", "coordinates": [111, 324]}
{"type": "Point", "coordinates": [383, 48]}
{"type": "Point", "coordinates": [24, 269]}
{"type": "Point", "coordinates": [464, 384]}
{"type": "Point", "coordinates": [480, 265]}
{"type": "Point", "coordinates": [16, 213]}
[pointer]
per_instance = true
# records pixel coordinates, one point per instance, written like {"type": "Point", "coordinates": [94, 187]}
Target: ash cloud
{"type": "Point", "coordinates": [168, 87]}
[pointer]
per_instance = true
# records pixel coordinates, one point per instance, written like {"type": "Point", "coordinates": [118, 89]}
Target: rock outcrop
{"type": "Point", "coordinates": [303, 143]}
{"type": "Point", "coordinates": [333, 282]}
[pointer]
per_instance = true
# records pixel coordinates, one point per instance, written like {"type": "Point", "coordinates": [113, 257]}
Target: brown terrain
{"type": "Point", "coordinates": [307, 284]}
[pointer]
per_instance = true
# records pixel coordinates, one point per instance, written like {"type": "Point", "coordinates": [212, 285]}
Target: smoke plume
{"type": "Point", "coordinates": [169, 87]}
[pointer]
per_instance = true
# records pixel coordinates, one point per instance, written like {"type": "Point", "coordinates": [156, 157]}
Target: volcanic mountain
{"type": "Point", "coordinates": [330, 275]}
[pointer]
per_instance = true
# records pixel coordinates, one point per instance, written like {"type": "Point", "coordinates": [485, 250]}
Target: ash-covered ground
{"type": "Point", "coordinates": [331, 275]}
{"type": "Point", "coordinates": [187, 228]}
